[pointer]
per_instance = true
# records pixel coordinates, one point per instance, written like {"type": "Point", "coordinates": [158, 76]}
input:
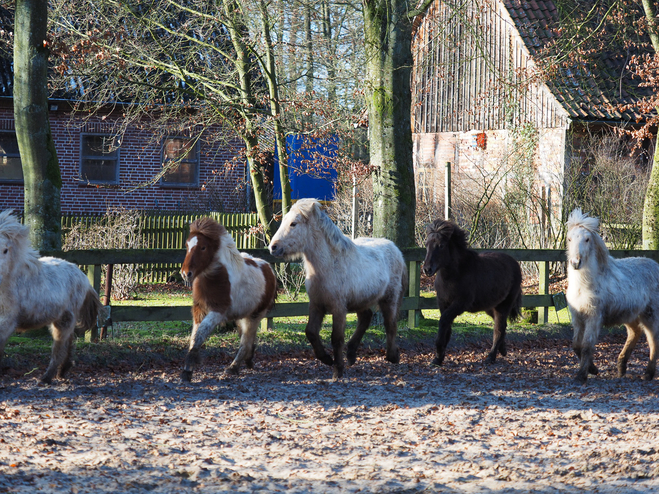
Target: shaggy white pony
{"type": "Point", "coordinates": [35, 292]}
{"type": "Point", "coordinates": [603, 291]}
{"type": "Point", "coordinates": [342, 276]}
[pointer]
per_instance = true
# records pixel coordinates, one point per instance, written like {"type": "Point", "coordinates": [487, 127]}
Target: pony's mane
{"type": "Point", "coordinates": [310, 208]}
{"type": "Point", "coordinates": [207, 227]}
{"type": "Point", "coordinates": [210, 228]}
{"type": "Point", "coordinates": [449, 230]}
{"type": "Point", "coordinates": [578, 219]}
{"type": "Point", "coordinates": [18, 233]}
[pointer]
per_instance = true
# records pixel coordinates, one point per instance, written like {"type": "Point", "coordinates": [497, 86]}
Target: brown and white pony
{"type": "Point", "coordinates": [342, 276]}
{"type": "Point", "coordinates": [226, 286]}
{"type": "Point", "coordinates": [603, 291]}
{"type": "Point", "coordinates": [35, 292]}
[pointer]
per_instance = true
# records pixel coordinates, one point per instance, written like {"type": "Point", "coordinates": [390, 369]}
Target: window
{"type": "Point", "coordinates": [99, 159]}
{"type": "Point", "coordinates": [10, 160]}
{"type": "Point", "coordinates": [181, 156]}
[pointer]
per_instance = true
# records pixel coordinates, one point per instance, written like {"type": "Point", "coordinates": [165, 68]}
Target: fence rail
{"type": "Point", "coordinates": [413, 303]}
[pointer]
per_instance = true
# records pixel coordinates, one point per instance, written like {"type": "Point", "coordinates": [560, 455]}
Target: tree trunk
{"type": "Point", "coordinates": [275, 110]}
{"type": "Point", "coordinates": [651, 205]}
{"type": "Point", "coordinates": [388, 38]}
{"type": "Point", "coordinates": [245, 65]}
{"type": "Point", "coordinates": [41, 174]}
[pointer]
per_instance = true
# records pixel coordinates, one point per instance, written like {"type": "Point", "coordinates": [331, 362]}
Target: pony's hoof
{"type": "Point", "coordinates": [249, 364]}
{"type": "Point", "coordinates": [351, 358]}
{"type": "Point", "coordinates": [394, 358]}
{"type": "Point", "coordinates": [580, 380]}
{"type": "Point", "coordinates": [647, 376]}
{"type": "Point", "coordinates": [337, 374]}
{"type": "Point", "coordinates": [437, 361]}
{"type": "Point", "coordinates": [232, 371]}
{"type": "Point", "coordinates": [327, 360]}
{"type": "Point", "coordinates": [186, 376]}
{"type": "Point", "coordinates": [490, 359]}
{"type": "Point", "coordinates": [622, 371]}
{"type": "Point", "coordinates": [593, 370]}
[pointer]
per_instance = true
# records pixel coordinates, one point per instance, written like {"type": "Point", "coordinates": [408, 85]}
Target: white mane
{"type": "Point", "coordinates": [310, 208]}
{"type": "Point", "coordinates": [577, 218]}
{"type": "Point", "coordinates": [18, 234]}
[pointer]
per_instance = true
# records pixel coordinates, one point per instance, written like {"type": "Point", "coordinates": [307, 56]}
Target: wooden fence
{"type": "Point", "coordinates": [164, 230]}
{"type": "Point", "coordinates": [413, 303]}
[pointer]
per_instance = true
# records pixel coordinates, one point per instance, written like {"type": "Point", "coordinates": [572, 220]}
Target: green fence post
{"type": "Point", "coordinates": [414, 292]}
{"type": "Point", "coordinates": [543, 289]}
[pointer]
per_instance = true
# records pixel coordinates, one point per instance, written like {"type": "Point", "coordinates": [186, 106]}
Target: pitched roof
{"type": "Point", "coordinates": [590, 90]}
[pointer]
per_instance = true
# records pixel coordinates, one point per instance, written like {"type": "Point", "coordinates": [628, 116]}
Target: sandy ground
{"type": "Point", "coordinates": [519, 425]}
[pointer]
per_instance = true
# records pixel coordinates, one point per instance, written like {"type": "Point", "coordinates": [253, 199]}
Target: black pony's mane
{"type": "Point", "coordinates": [448, 230]}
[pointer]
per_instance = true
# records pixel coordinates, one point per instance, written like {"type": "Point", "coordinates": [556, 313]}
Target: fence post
{"type": "Point", "coordinates": [414, 292]}
{"type": "Point", "coordinates": [543, 289]}
{"type": "Point", "coordinates": [94, 276]}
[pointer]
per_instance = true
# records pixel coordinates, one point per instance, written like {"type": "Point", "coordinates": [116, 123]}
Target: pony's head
{"type": "Point", "coordinates": [443, 235]}
{"type": "Point", "coordinates": [583, 241]}
{"type": "Point", "coordinates": [303, 227]}
{"type": "Point", "coordinates": [202, 244]}
{"type": "Point", "coordinates": [14, 242]}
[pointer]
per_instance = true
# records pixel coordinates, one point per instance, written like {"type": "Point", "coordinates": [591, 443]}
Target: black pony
{"type": "Point", "coordinates": [470, 282]}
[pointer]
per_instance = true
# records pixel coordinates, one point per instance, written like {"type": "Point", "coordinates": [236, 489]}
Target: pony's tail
{"type": "Point", "coordinates": [89, 311]}
{"type": "Point", "coordinates": [516, 311]}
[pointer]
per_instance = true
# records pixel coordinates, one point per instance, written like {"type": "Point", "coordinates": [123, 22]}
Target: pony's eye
{"type": "Point", "coordinates": [293, 224]}
{"type": "Point", "coordinates": [588, 240]}
{"type": "Point", "coordinates": [203, 248]}
{"type": "Point", "coordinates": [5, 251]}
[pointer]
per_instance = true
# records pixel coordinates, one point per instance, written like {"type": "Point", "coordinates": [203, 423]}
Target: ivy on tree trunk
{"type": "Point", "coordinates": [388, 38]}
{"type": "Point", "coordinates": [41, 173]}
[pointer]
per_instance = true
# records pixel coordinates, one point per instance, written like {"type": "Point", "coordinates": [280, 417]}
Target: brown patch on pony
{"type": "Point", "coordinates": [213, 291]}
{"type": "Point", "coordinates": [199, 312]}
{"type": "Point", "coordinates": [250, 262]}
{"type": "Point", "coordinates": [269, 292]}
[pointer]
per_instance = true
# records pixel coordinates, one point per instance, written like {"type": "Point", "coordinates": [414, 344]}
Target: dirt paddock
{"type": "Point", "coordinates": [519, 425]}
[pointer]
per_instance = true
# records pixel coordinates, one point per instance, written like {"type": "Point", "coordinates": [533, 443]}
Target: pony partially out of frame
{"type": "Point", "coordinates": [226, 286]}
{"type": "Point", "coordinates": [35, 292]}
{"type": "Point", "coordinates": [603, 291]}
{"type": "Point", "coordinates": [468, 281]}
{"type": "Point", "coordinates": [342, 276]}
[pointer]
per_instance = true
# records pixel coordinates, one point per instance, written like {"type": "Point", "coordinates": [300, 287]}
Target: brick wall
{"type": "Point", "coordinates": [222, 181]}
{"type": "Point", "coordinates": [469, 163]}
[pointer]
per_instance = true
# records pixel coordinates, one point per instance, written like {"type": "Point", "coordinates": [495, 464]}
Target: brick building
{"type": "Point", "coordinates": [477, 96]}
{"type": "Point", "coordinates": [100, 171]}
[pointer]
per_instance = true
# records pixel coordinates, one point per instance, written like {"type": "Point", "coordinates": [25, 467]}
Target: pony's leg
{"type": "Point", "coordinates": [7, 328]}
{"type": "Point", "coordinates": [363, 322]}
{"type": "Point", "coordinates": [579, 326]}
{"type": "Point", "coordinates": [200, 333]}
{"type": "Point", "coordinates": [498, 337]}
{"type": "Point", "coordinates": [248, 328]}
{"type": "Point", "coordinates": [633, 334]}
{"type": "Point", "coordinates": [62, 332]}
{"type": "Point", "coordinates": [390, 314]}
{"type": "Point", "coordinates": [67, 364]}
{"type": "Point", "coordinates": [587, 350]}
{"type": "Point", "coordinates": [338, 341]}
{"type": "Point", "coordinates": [444, 331]}
{"type": "Point", "coordinates": [312, 331]}
{"type": "Point", "coordinates": [652, 363]}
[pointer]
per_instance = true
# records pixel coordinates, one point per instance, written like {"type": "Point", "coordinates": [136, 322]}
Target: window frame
{"type": "Point", "coordinates": [10, 181]}
{"type": "Point", "coordinates": [196, 161]}
{"type": "Point", "coordinates": [82, 158]}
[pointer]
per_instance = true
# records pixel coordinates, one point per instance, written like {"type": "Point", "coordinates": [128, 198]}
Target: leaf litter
{"type": "Point", "coordinates": [519, 425]}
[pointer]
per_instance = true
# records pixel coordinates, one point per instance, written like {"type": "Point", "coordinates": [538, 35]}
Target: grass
{"type": "Point", "coordinates": [168, 339]}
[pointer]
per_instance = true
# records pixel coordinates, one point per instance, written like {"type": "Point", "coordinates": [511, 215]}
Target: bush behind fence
{"type": "Point", "coordinates": [164, 230]}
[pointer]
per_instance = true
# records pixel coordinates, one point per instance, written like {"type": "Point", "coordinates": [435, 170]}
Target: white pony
{"type": "Point", "coordinates": [342, 276]}
{"type": "Point", "coordinates": [37, 291]}
{"type": "Point", "coordinates": [603, 291]}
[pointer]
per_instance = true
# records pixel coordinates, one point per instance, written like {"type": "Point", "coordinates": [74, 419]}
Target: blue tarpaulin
{"type": "Point", "coordinates": [309, 168]}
